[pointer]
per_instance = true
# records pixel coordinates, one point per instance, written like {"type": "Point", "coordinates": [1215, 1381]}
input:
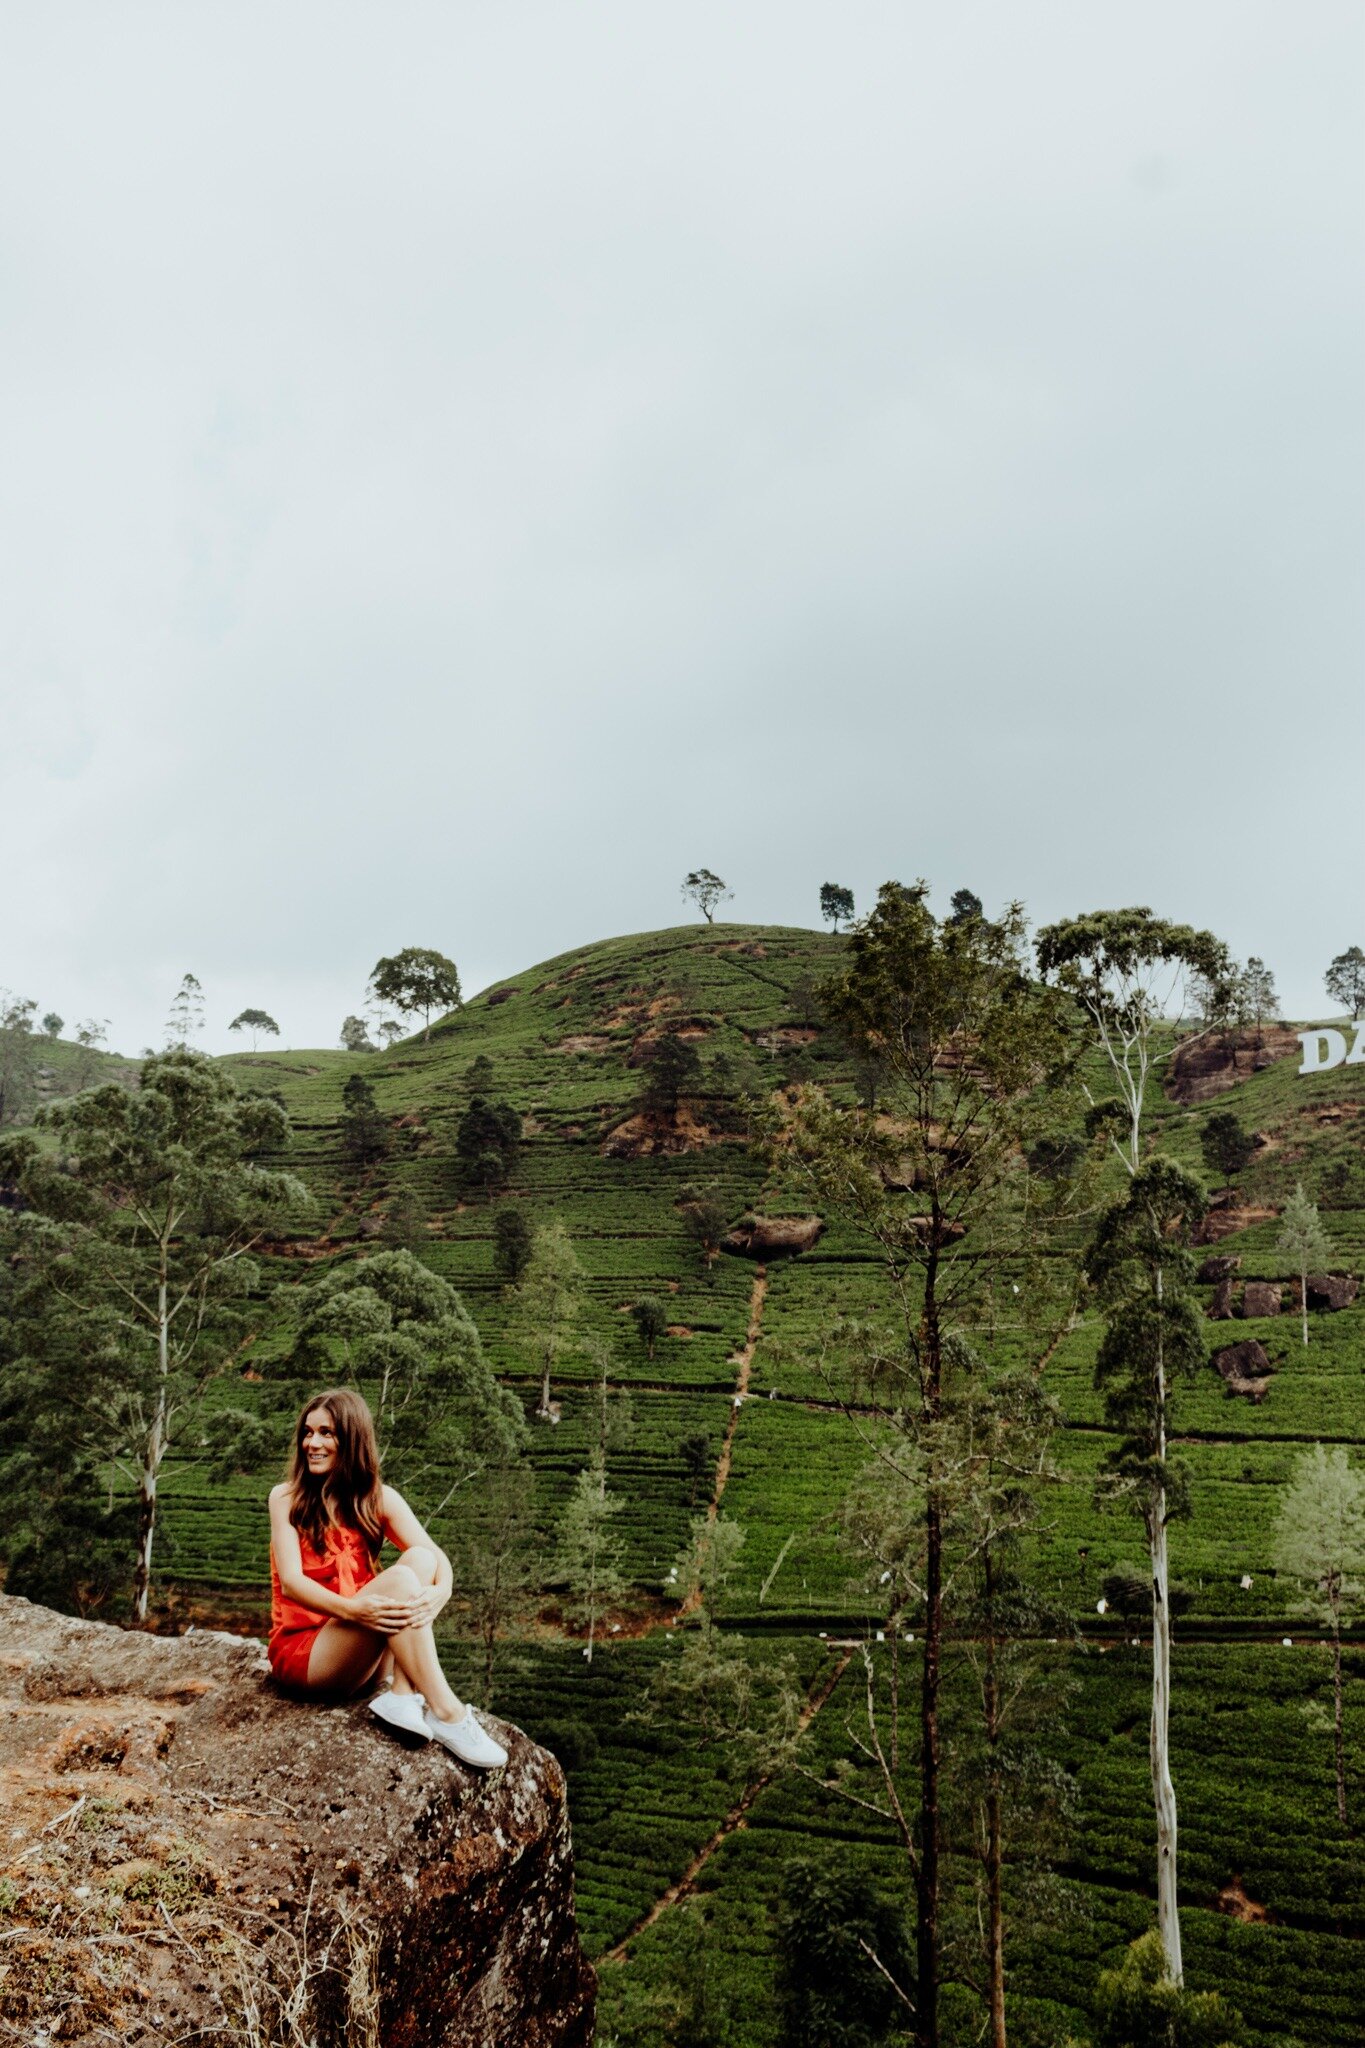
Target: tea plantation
{"type": "Point", "coordinates": [1273, 1890]}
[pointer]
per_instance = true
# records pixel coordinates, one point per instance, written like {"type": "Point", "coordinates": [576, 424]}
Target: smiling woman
{"type": "Point", "coordinates": [337, 1620]}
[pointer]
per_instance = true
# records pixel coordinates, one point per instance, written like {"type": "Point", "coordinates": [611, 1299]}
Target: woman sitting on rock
{"type": "Point", "coordinates": [335, 1618]}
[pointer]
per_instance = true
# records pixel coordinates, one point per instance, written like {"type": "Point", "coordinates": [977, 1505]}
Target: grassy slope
{"type": "Point", "coordinates": [560, 1042]}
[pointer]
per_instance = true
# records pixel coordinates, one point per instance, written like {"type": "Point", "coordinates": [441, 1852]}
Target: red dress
{"type": "Point", "coordinates": [344, 1567]}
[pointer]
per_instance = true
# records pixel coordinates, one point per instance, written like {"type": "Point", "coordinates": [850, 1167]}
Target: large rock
{"type": "Point", "coordinates": [230, 1846]}
{"type": "Point", "coordinates": [1210, 1062]}
{"type": "Point", "coordinates": [1245, 1369]}
{"type": "Point", "coordinates": [772, 1237]}
{"type": "Point", "coordinates": [1262, 1298]}
{"type": "Point", "coordinates": [1218, 1266]}
{"type": "Point", "coordinates": [1330, 1290]}
{"type": "Point", "coordinates": [1220, 1308]}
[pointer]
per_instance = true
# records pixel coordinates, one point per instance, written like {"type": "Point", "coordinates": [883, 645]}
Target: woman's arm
{"type": "Point", "coordinates": [384, 1611]}
{"type": "Point", "coordinates": [405, 1532]}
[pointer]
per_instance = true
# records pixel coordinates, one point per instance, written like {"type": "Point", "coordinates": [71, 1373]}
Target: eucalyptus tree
{"type": "Point", "coordinates": [1141, 1269]}
{"type": "Point", "coordinates": [18, 1057]}
{"type": "Point", "coordinates": [707, 891]}
{"type": "Point", "coordinates": [187, 1011]}
{"type": "Point", "coordinates": [1320, 1541]}
{"type": "Point", "coordinates": [1304, 1239]}
{"type": "Point", "coordinates": [547, 1312]}
{"type": "Point", "coordinates": [135, 1243]}
{"type": "Point", "coordinates": [417, 980]}
{"type": "Point", "coordinates": [971, 1052]}
{"type": "Point", "coordinates": [255, 1021]}
{"type": "Point", "coordinates": [1345, 980]}
{"type": "Point", "coordinates": [836, 904]}
{"type": "Point", "coordinates": [1124, 968]}
{"type": "Point", "coordinates": [390, 1326]}
{"type": "Point", "coordinates": [355, 1035]}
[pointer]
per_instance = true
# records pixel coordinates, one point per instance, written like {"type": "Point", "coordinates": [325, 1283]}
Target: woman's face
{"type": "Point", "coordinates": [319, 1441]}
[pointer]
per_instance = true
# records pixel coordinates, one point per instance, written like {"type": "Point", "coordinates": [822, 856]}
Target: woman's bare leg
{"type": "Point", "coordinates": [345, 1655]}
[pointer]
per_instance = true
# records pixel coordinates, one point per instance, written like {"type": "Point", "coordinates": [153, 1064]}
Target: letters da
{"type": "Point", "coordinates": [1326, 1048]}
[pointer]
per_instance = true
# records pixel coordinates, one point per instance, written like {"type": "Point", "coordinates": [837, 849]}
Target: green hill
{"type": "Point", "coordinates": [1253, 1771]}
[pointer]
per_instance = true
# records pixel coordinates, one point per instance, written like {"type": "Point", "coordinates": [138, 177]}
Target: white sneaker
{"type": "Point", "coordinates": [467, 1739]}
{"type": "Point", "coordinates": [404, 1710]}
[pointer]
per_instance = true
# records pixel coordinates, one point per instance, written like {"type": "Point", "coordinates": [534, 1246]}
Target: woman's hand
{"type": "Point", "coordinates": [427, 1606]}
{"type": "Point", "coordinates": [387, 1612]}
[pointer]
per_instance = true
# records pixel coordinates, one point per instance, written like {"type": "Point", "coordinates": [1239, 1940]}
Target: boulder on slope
{"type": "Point", "coordinates": [232, 1846]}
{"type": "Point", "coordinates": [772, 1237]}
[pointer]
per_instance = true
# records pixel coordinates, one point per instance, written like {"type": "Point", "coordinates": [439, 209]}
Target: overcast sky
{"type": "Point", "coordinates": [462, 466]}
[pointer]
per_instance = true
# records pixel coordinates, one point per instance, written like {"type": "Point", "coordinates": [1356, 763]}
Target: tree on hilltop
{"type": "Point", "coordinates": [1345, 980]}
{"type": "Point", "coordinates": [354, 1035]}
{"type": "Point", "coordinates": [417, 980]}
{"type": "Point", "coordinates": [706, 890]}
{"type": "Point", "coordinates": [255, 1021]}
{"type": "Point", "coordinates": [836, 904]}
{"type": "Point", "coordinates": [964, 903]}
{"type": "Point", "coordinates": [187, 1012]}
{"type": "Point", "coordinates": [18, 1059]}
{"type": "Point", "coordinates": [52, 1024]}
{"type": "Point", "coordinates": [1259, 999]}
{"type": "Point", "coordinates": [1304, 1239]}
{"type": "Point", "coordinates": [1320, 1540]}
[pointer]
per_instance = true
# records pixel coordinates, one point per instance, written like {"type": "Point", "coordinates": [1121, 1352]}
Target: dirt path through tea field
{"type": "Point", "coordinates": [744, 1359]}
{"type": "Point", "coordinates": [734, 1819]}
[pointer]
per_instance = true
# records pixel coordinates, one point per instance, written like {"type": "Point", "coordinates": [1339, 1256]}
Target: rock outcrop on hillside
{"type": "Point", "coordinates": [1206, 1065]}
{"type": "Point", "coordinates": [772, 1237]}
{"type": "Point", "coordinates": [186, 1852]}
{"type": "Point", "coordinates": [1245, 1369]}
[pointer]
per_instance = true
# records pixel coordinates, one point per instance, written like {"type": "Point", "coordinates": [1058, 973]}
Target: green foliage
{"type": "Point", "coordinates": [650, 1318]}
{"type": "Point", "coordinates": [1320, 1532]}
{"type": "Point", "coordinates": [512, 1244]}
{"type": "Point", "coordinates": [417, 979]}
{"type": "Point", "coordinates": [1345, 980]}
{"type": "Point", "coordinates": [187, 1012]}
{"type": "Point", "coordinates": [255, 1021]}
{"type": "Point", "coordinates": [705, 1218]}
{"type": "Point", "coordinates": [1227, 1147]}
{"type": "Point", "coordinates": [1137, 2006]}
{"type": "Point", "coordinates": [965, 904]}
{"type": "Point", "coordinates": [706, 891]}
{"type": "Point", "coordinates": [404, 1228]}
{"type": "Point", "coordinates": [836, 904]}
{"type": "Point", "coordinates": [487, 1143]}
{"type": "Point", "coordinates": [480, 1078]}
{"type": "Point", "coordinates": [590, 1559]}
{"type": "Point", "coordinates": [497, 1561]}
{"type": "Point", "coordinates": [672, 1070]}
{"type": "Point", "coordinates": [548, 1315]}
{"type": "Point", "coordinates": [394, 1329]}
{"type": "Point", "coordinates": [845, 1968]}
{"type": "Point", "coordinates": [132, 1259]}
{"type": "Point", "coordinates": [695, 1453]}
{"type": "Point", "coordinates": [52, 1024]}
{"type": "Point", "coordinates": [355, 1036]}
{"type": "Point", "coordinates": [364, 1132]}
{"type": "Point", "coordinates": [1303, 1239]}
{"type": "Point", "coordinates": [18, 1058]}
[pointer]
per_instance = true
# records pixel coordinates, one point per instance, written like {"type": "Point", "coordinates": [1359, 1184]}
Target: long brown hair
{"type": "Point", "coordinates": [351, 1493]}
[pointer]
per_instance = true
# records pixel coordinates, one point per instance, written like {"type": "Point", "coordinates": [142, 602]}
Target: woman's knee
{"type": "Point", "coordinates": [420, 1562]}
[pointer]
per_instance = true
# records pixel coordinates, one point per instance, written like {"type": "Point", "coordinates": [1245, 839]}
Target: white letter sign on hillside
{"type": "Point", "coordinates": [1326, 1048]}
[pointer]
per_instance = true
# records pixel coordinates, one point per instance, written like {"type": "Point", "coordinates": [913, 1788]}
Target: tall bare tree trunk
{"type": "Point", "coordinates": [1163, 1787]}
{"type": "Point", "coordinates": [928, 1880]}
{"type": "Point", "coordinates": [995, 1915]}
{"type": "Point", "coordinates": [153, 1452]}
{"type": "Point", "coordinates": [1338, 1725]}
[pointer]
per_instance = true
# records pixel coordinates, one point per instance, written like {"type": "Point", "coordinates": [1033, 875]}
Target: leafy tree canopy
{"type": "Point", "coordinates": [417, 979]}
{"type": "Point", "coordinates": [706, 891]}
{"type": "Point", "coordinates": [255, 1021]}
{"type": "Point", "coordinates": [1345, 980]}
{"type": "Point", "coordinates": [836, 904]}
